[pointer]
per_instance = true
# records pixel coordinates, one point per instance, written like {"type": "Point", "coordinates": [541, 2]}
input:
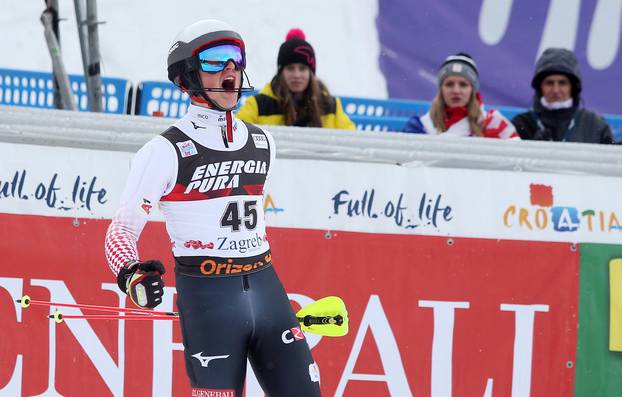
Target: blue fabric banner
{"type": "Point", "coordinates": [505, 39]}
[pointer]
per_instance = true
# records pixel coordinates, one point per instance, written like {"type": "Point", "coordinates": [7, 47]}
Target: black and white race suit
{"type": "Point", "coordinates": [209, 183]}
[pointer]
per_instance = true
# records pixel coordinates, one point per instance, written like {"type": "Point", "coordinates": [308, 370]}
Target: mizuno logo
{"type": "Point", "coordinates": [196, 127]}
{"type": "Point", "coordinates": [205, 360]}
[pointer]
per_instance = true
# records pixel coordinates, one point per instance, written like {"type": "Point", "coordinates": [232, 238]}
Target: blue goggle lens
{"type": "Point", "coordinates": [214, 59]}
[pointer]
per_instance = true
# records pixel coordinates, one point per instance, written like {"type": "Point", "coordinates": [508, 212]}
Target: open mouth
{"type": "Point", "coordinates": [228, 84]}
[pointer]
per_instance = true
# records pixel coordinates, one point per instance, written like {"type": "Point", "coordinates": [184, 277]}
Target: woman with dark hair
{"type": "Point", "coordinates": [457, 109]}
{"type": "Point", "coordinates": [295, 96]}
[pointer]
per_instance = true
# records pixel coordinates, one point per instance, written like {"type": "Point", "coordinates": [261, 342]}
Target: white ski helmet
{"type": "Point", "coordinates": [183, 64]}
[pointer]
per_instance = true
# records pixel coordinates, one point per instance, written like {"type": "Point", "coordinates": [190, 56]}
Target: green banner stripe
{"type": "Point", "coordinates": [598, 370]}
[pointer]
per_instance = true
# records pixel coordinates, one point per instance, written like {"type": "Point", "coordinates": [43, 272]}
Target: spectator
{"type": "Point", "coordinates": [457, 108]}
{"type": "Point", "coordinates": [555, 113]}
{"type": "Point", "coordinates": [295, 96]}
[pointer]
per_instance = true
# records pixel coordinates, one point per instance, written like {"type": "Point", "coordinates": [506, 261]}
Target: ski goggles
{"type": "Point", "coordinates": [214, 59]}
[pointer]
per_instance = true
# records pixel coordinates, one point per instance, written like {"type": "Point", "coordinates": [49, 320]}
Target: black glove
{"type": "Point", "coordinates": [142, 282]}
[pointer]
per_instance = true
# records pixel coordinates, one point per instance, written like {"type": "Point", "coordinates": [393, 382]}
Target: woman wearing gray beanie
{"type": "Point", "coordinates": [457, 109]}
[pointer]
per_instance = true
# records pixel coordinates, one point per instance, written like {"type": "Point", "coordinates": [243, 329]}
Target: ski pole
{"type": "Point", "coordinates": [25, 302]}
{"type": "Point", "coordinates": [60, 317]}
{"type": "Point", "coordinates": [334, 324]}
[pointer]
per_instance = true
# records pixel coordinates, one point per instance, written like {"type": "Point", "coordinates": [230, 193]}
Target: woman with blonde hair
{"type": "Point", "coordinates": [457, 108]}
{"type": "Point", "coordinates": [295, 96]}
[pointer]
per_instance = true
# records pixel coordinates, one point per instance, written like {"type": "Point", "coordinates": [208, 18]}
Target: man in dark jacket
{"type": "Point", "coordinates": [555, 113]}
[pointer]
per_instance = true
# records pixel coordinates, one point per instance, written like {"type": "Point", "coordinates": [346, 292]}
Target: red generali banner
{"type": "Point", "coordinates": [429, 316]}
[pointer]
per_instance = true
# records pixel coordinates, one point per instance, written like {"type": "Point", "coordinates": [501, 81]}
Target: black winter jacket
{"type": "Point", "coordinates": [570, 125]}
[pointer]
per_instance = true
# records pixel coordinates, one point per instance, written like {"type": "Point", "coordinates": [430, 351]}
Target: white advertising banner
{"type": "Point", "coordinates": [60, 181]}
{"type": "Point", "coordinates": [347, 196]}
{"type": "Point", "coordinates": [379, 198]}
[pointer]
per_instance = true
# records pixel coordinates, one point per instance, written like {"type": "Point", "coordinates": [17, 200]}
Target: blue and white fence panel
{"type": "Point", "coordinates": [382, 114]}
{"type": "Point", "coordinates": [158, 98]}
{"type": "Point", "coordinates": [36, 89]}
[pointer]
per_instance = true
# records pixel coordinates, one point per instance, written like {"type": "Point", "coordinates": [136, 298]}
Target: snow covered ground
{"type": "Point", "coordinates": [137, 34]}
